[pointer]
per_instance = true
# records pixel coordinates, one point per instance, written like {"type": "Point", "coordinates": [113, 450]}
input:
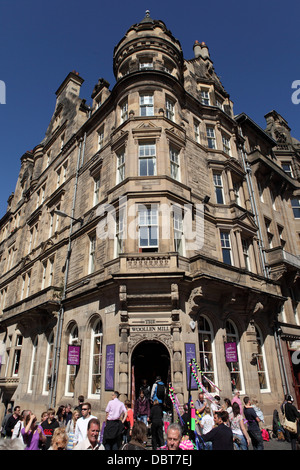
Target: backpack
{"type": "Point", "coordinates": [160, 391]}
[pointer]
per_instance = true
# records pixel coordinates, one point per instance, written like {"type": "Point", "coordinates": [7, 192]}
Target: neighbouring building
{"type": "Point", "coordinates": [148, 228]}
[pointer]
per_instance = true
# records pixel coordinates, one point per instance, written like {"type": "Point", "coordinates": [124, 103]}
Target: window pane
{"type": "Point", "coordinates": [206, 352]}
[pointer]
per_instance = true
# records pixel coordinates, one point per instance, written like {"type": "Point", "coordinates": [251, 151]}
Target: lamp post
{"type": "Point", "coordinates": [63, 214]}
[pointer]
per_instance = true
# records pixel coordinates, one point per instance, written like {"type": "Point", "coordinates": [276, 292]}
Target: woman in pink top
{"type": "Point", "coordinates": [32, 433]}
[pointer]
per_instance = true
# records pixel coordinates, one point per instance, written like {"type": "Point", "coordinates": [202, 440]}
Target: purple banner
{"type": "Point", "coordinates": [110, 367]}
{"type": "Point", "coordinates": [190, 353]}
{"type": "Point", "coordinates": [73, 355]}
{"type": "Point", "coordinates": [231, 352]}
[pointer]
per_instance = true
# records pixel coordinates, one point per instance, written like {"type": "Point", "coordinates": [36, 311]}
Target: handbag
{"type": "Point", "coordinates": [289, 425]}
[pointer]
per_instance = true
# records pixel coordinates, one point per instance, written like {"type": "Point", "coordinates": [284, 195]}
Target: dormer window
{"type": "Point", "coordinates": [205, 97]}
{"type": "Point", "coordinates": [287, 168]}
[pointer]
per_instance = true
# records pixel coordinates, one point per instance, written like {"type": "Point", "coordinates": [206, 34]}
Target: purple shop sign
{"type": "Point", "coordinates": [231, 352]}
{"type": "Point", "coordinates": [73, 355]}
{"type": "Point", "coordinates": [190, 353]}
{"type": "Point", "coordinates": [110, 367]}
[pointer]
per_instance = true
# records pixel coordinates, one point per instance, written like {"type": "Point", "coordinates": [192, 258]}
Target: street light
{"type": "Point", "coordinates": [63, 214]}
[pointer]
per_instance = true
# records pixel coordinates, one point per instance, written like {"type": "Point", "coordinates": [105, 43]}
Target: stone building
{"type": "Point", "coordinates": [149, 228]}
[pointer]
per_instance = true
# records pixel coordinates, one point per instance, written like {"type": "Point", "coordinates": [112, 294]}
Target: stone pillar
{"type": "Point", "coordinates": [249, 352]}
{"type": "Point", "coordinates": [124, 365]}
{"type": "Point", "coordinates": [177, 364]}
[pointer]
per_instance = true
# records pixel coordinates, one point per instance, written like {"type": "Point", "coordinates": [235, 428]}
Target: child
{"type": "Point", "coordinates": [258, 411]}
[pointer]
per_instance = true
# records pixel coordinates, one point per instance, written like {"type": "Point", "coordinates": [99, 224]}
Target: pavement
{"type": "Point", "coordinates": [275, 444]}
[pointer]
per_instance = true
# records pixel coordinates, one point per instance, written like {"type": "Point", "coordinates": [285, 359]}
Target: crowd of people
{"type": "Point", "coordinates": [231, 425]}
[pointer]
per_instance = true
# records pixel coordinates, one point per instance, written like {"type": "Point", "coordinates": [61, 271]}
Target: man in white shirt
{"type": "Point", "coordinates": [82, 423]}
{"type": "Point", "coordinates": [116, 415]}
{"type": "Point", "coordinates": [91, 442]}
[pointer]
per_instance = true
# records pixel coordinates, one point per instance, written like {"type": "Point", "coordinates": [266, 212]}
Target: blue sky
{"type": "Point", "coordinates": [254, 46]}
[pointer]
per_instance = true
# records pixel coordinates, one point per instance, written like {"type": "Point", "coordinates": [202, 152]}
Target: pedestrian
{"type": "Point", "coordinates": [7, 415]}
{"type": "Point", "coordinates": [69, 413]}
{"type": "Point", "coordinates": [82, 423]}
{"type": "Point", "coordinates": [33, 433]}
{"type": "Point", "coordinates": [80, 403]}
{"type": "Point", "coordinates": [206, 425]}
{"type": "Point", "coordinates": [174, 437]}
{"type": "Point", "coordinates": [236, 399]}
{"type": "Point", "coordinates": [138, 437]}
{"type": "Point", "coordinates": [61, 416]}
{"type": "Point", "coordinates": [291, 414]}
{"type": "Point", "coordinates": [200, 406]}
{"type": "Point", "coordinates": [228, 407]}
{"type": "Point", "coordinates": [241, 438]}
{"type": "Point", "coordinates": [146, 389]}
{"type": "Point", "coordinates": [59, 439]}
{"type": "Point", "coordinates": [116, 415]}
{"type": "Point", "coordinates": [91, 442]}
{"type": "Point", "coordinates": [186, 422]}
{"type": "Point", "coordinates": [158, 391]}
{"type": "Point", "coordinates": [70, 429]}
{"type": "Point", "coordinates": [258, 411]}
{"type": "Point", "coordinates": [48, 426]}
{"type": "Point", "coordinates": [44, 416]}
{"type": "Point", "coordinates": [156, 419]}
{"type": "Point", "coordinates": [12, 421]}
{"type": "Point", "coordinates": [129, 422]}
{"type": "Point", "coordinates": [215, 405]}
{"type": "Point", "coordinates": [253, 425]}
{"type": "Point", "coordinates": [221, 436]}
{"type": "Point", "coordinates": [19, 426]}
{"type": "Point", "coordinates": [142, 408]}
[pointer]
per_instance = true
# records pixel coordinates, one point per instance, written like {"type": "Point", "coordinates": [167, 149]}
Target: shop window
{"type": "Point", "coordinates": [235, 368]}
{"type": "Point", "coordinates": [261, 364]}
{"type": "Point", "coordinates": [17, 356]}
{"type": "Point", "coordinates": [48, 364]}
{"type": "Point", "coordinates": [206, 352]}
{"type": "Point", "coordinates": [96, 360]}
{"type": "Point", "coordinates": [33, 366]}
{"type": "Point", "coordinates": [71, 369]}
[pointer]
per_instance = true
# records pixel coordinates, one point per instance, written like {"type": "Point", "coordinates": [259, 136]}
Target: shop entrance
{"type": "Point", "coordinates": [149, 360]}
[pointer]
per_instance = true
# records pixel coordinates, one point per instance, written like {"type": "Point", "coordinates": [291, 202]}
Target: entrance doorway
{"type": "Point", "coordinates": [149, 360]}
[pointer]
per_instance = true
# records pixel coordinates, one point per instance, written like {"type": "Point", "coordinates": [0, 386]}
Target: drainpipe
{"type": "Point", "coordinates": [57, 346]}
{"type": "Point", "coordinates": [282, 368]}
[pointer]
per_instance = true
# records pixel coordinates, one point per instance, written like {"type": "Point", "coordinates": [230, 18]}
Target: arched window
{"type": "Point", "coordinates": [235, 368]}
{"type": "Point", "coordinates": [71, 369]}
{"type": "Point", "coordinates": [48, 364]}
{"type": "Point", "coordinates": [33, 365]}
{"type": "Point", "coordinates": [96, 360]}
{"type": "Point", "coordinates": [206, 350]}
{"type": "Point", "coordinates": [261, 363]}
